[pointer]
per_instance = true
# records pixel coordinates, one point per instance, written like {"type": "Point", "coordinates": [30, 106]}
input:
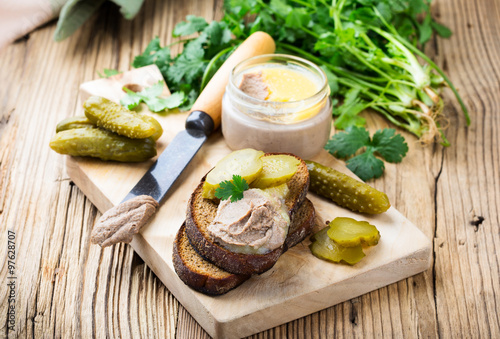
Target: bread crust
{"type": "Point", "coordinates": [191, 276]}
{"type": "Point", "coordinates": [201, 212]}
{"type": "Point", "coordinates": [297, 235]}
{"type": "Point", "coordinates": [210, 284]}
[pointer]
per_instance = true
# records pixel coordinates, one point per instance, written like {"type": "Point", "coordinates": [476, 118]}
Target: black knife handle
{"type": "Point", "coordinates": [199, 121]}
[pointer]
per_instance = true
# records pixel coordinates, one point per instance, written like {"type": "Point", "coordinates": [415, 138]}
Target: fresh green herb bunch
{"type": "Point", "coordinates": [368, 49]}
{"type": "Point", "coordinates": [205, 47]}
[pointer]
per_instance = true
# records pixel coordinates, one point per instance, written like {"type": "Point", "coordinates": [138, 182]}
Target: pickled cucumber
{"type": "Point", "coordinates": [246, 163]}
{"type": "Point", "coordinates": [349, 232]}
{"type": "Point", "coordinates": [113, 117]}
{"type": "Point", "coordinates": [73, 122]}
{"type": "Point", "coordinates": [325, 248]}
{"type": "Point", "coordinates": [158, 128]}
{"type": "Point", "coordinates": [102, 144]}
{"type": "Point", "coordinates": [346, 191]}
{"type": "Point", "coordinates": [276, 170]}
{"type": "Point", "coordinates": [279, 192]}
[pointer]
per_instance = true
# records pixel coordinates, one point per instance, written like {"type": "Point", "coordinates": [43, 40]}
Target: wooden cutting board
{"type": "Point", "coordinates": [298, 285]}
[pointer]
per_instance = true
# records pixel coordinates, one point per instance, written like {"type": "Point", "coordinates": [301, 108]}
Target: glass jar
{"type": "Point", "coordinates": [300, 127]}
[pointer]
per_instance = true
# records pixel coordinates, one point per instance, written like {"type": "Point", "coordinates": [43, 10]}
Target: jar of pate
{"type": "Point", "coordinates": [277, 103]}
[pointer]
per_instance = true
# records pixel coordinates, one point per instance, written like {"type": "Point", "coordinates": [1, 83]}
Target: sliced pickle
{"type": "Point", "coordinates": [279, 192]}
{"type": "Point", "coordinates": [277, 169]}
{"type": "Point", "coordinates": [349, 232]}
{"type": "Point", "coordinates": [245, 163]}
{"type": "Point", "coordinates": [325, 248]}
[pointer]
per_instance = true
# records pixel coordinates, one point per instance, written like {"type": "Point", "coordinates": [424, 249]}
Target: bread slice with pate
{"type": "Point", "coordinates": [201, 212]}
{"type": "Point", "coordinates": [200, 274]}
{"type": "Point", "coordinates": [205, 277]}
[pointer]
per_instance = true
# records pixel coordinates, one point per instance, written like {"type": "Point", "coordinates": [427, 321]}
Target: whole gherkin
{"type": "Point", "coordinates": [346, 191]}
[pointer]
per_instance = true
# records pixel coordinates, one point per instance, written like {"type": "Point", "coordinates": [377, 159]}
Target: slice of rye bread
{"type": "Point", "coordinates": [201, 212]}
{"type": "Point", "coordinates": [198, 273]}
{"type": "Point", "coordinates": [205, 277]}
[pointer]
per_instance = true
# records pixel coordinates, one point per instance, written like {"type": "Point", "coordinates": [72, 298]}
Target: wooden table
{"type": "Point", "coordinates": [67, 288]}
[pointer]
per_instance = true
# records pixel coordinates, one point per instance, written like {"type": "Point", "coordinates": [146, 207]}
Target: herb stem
{"type": "Point", "coordinates": [206, 75]}
{"type": "Point", "coordinates": [440, 71]}
{"type": "Point", "coordinates": [303, 3]}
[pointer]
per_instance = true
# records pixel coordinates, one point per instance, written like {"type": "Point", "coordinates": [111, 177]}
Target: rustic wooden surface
{"type": "Point", "coordinates": [67, 288]}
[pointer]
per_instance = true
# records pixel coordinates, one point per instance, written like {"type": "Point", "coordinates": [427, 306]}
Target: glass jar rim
{"type": "Point", "coordinates": [282, 57]}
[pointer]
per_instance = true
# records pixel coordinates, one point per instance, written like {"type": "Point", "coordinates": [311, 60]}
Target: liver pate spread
{"type": "Point", "coordinates": [256, 224]}
{"type": "Point", "coordinates": [121, 222]}
{"type": "Point", "coordinates": [253, 85]}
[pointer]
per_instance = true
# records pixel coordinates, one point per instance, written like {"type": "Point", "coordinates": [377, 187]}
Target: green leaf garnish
{"type": "Point", "coordinates": [106, 73]}
{"type": "Point", "coordinates": [153, 54]}
{"type": "Point", "coordinates": [193, 24]}
{"type": "Point", "coordinates": [150, 96]}
{"type": "Point", "coordinates": [385, 143]}
{"type": "Point", "coordinates": [200, 58]}
{"type": "Point", "coordinates": [232, 189]}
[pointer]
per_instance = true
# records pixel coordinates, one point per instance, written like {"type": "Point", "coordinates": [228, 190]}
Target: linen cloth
{"type": "Point", "coordinates": [19, 17]}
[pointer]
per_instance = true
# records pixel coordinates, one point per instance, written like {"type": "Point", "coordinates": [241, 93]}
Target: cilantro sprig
{"type": "Point", "coordinates": [232, 189]}
{"type": "Point", "coordinates": [385, 143]}
{"type": "Point", "coordinates": [150, 96]}
{"type": "Point", "coordinates": [202, 55]}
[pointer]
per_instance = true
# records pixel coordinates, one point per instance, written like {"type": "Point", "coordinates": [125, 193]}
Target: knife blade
{"type": "Point", "coordinates": [201, 122]}
{"type": "Point", "coordinates": [171, 163]}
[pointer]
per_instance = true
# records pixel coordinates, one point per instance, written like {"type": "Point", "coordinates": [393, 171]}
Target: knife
{"type": "Point", "coordinates": [204, 118]}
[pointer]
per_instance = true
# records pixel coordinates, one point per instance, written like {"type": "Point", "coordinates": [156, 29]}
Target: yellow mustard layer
{"type": "Point", "coordinates": [288, 85]}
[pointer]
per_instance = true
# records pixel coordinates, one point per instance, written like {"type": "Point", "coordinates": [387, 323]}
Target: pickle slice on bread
{"type": "Point", "coordinates": [246, 163]}
{"type": "Point", "coordinates": [277, 169]}
{"type": "Point", "coordinates": [201, 212]}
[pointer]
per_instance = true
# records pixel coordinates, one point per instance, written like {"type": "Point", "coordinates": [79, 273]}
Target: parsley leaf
{"type": "Point", "coordinates": [193, 24]}
{"type": "Point", "coordinates": [385, 143]}
{"type": "Point", "coordinates": [153, 91]}
{"type": "Point", "coordinates": [443, 31]}
{"type": "Point", "coordinates": [232, 189]}
{"type": "Point", "coordinates": [153, 54]}
{"type": "Point", "coordinates": [189, 65]}
{"type": "Point", "coordinates": [366, 165]}
{"type": "Point", "coordinates": [344, 144]}
{"type": "Point", "coordinates": [106, 73]}
{"type": "Point", "coordinates": [390, 146]}
{"type": "Point", "coordinates": [131, 100]}
{"type": "Point", "coordinates": [218, 33]}
{"type": "Point", "coordinates": [150, 96]}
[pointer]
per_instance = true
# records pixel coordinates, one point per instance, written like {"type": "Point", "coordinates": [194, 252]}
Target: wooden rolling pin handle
{"type": "Point", "coordinates": [210, 100]}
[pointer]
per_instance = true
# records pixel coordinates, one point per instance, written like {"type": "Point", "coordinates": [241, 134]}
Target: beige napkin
{"type": "Point", "coordinates": [19, 17]}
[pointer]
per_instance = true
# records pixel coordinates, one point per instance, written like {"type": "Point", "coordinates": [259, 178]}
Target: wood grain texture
{"type": "Point", "coordinates": [66, 288]}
